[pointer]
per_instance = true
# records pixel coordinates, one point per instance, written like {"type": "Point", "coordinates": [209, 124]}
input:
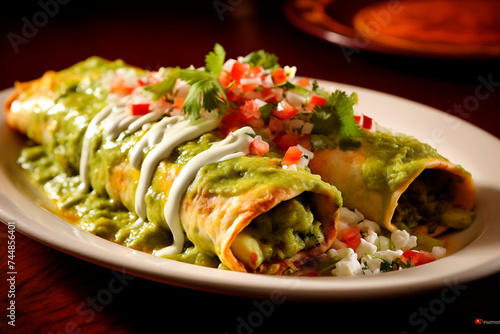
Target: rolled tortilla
{"type": "Point", "coordinates": [212, 214]}
{"type": "Point", "coordinates": [376, 178]}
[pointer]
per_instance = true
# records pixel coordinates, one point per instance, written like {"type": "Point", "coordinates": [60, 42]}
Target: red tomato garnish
{"type": "Point", "coordinates": [285, 110]}
{"type": "Point", "coordinates": [367, 122]}
{"type": "Point", "coordinates": [139, 109]}
{"type": "Point", "coordinates": [225, 79]}
{"type": "Point", "coordinates": [292, 156]}
{"type": "Point", "coordinates": [279, 76]}
{"type": "Point", "coordinates": [303, 82]}
{"type": "Point", "coordinates": [411, 255]}
{"type": "Point", "coordinates": [286, 140]}
{"type": "Point", "coordinates": [230, 123]}
{"type": "Point", "coordinates": [351, 237]}
{"type": "Point", "coordinates": [258, 146]}
{"type": "Point", "coordinates": [249, 110]}
{"type": "Point", "coordinates": [178, 102]}
{"type": "Point", "coordinates": [425, 257]}
{"type": "Point", "coordinates": [239, 69]}
{"type": "Point", "coordinates": [317, 101]}
{"type": "Point", "coordinates": [357, 119]}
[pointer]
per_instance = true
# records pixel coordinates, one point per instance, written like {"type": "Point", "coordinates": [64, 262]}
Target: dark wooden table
{"type": "Point", "coordinates": [57, 293]}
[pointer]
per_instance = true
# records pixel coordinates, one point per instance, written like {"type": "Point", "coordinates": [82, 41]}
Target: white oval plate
{"type": "Point", "coordinates": [476, 251]}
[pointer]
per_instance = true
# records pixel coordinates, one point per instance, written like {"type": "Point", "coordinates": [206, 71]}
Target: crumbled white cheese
{"type": "Point", "coordinates": [367, 225]}
{"type": "Point", "coordinates": [365, 248]}
{"type": "Point", "coordinates": [438, 252]}
{"type": "Point", "coordinates": [349, 217]}
{"type": "Point", "coordinates": [389, 254]}
{"type": "Point", "coordinates": [403, 240]}
{"type": "Point", "coordinates": [372, 263]}
{"type": "Point", "coordinates": [348, 266]}
{"type": "Point", "coordinates": [371, 237]}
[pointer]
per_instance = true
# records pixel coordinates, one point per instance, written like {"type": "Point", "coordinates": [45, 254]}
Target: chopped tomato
{"type": "Point", "coordinates": [412, 256]}
{"type": "Point", "coordinates": [279, 76]}
{"type": "Point", "coordinates": [249, 110]}
{"type": "Point", "coordinates": [139, 109]}
{"type": "Point", "coordinates": [425, 257]}
{"type": "Point", "coordinates": [357, 119]}
{"type": "Point", "coordinates": [286, 140]}
{"type": "Point", "coordinates": [225, 79]}
{"type": "Point", "coordinates": [275, 124]}
{"type": "Point", "coordinates": [230, 123]}
{"type": "Point", "coordinates": [292, 156]}
{"type": "Point", "coordinates": [317, 101]}
{"type": "Point", "coordinates": [178, 102]}
{"type": "Point", "coordinates": [255, 72]}
{"type": "Point", "coordinates": [352, 237]}
{"type": "Point", "coordinates": [303, 82]}
{"type": "Point", "coordinates": [270, 95]}
{"type": "Point", "coordinates": [285, 110]}
{"type": "Point", "coordinates": [238, 70]}
{"type": "Point", "coordinates": [367, 122]}
{"type": "Point", "coordinates": [258, 146]}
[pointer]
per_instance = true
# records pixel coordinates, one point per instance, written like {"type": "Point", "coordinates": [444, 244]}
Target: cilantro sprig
{"type": "Point", "coordinates": [337, 116]}
{"type": "Point", "coordinates": [206, 92]}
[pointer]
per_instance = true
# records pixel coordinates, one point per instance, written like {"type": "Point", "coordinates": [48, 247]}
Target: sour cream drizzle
{"type": "Point", "coordinates": [236, 144]}
{"type": "Point", "coordinates": [158, 143]}
{"type": "Point", "coordinates": [116, 122]}
{"type": "Point", "coordinates": [173, 132]}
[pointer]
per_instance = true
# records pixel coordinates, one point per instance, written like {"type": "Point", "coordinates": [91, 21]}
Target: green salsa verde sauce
{"type": "Point", "coordinates": [391, 160]}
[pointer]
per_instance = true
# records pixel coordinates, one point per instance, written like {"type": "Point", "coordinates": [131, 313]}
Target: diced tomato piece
{"type": "Point", "coordinates": [258, 146]}
{"type": "Point", "coordinates": [286, 140]}
{"type": "Point", "coordinates": [425, 257]}
{"type": "Point", "coordinates": [230, 123]}
{"type": "Point", "coordinates": [239, 70]}
{"type": "Point", "coordinates": [225, 79]}
{"type": "Point", "coordinates": [141, 82]}
{"type": "Point", "coordinates": [352, 237]}
{"type": "Point", "coordinates": [279, 76]}
{"type": "Point", "coordinates": [178, 102]}
{"type": "Point", "coordinates": [249, 110]}
{"type": "Point", "coordinates": [285, 110]}
{"type": "Point", "coordinates": [367, 122]}
{"type": "Point", "coordinates": [292, 156]}
{"type": "Point", "coordinates": [357, 118]}
{"type": "Point", "coordinates": [412, 256]}
{"type": "Point", "coordinates": [254, 72]}
{"type": "Point", "coordinates": [270, 95]}
{"type": "Point", "coordinates": [317, 101]}
{"type": "Point", "coordinates": [303, 82]}
{"type": "Point", "coordinates": [275, 124]}
{"type": "Point", "coordinates": [139, 109]}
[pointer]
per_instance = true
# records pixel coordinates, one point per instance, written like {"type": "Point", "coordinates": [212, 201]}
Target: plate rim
{"type": "Point", "coordinates": [388, 285]}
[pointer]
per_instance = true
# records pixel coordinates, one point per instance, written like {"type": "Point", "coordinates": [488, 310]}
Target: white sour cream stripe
{"type": "Point", "coordinates": [116, 121]}
{"type": "Point", "coordinates": [236, 144]}
{"type": "Point", "coordinates": [174, 133]}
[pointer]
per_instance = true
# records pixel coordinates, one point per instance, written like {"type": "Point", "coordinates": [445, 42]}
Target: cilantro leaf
{"type": "Point", "coordinates": [262, 58]}
{"type": "Point", "coordinates": [214, 60]}
{"type": "Point", "coordinates": [164, 87]}
{"type": "Point", "coordinates": [336, 116]}
{"type": "Point", "coordinates": [205, 93]}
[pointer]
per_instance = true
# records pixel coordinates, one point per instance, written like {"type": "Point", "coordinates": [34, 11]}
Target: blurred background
{"type": "Point", "coordinates": [36, 36]}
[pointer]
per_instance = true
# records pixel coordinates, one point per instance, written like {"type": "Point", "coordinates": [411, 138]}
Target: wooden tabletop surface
{"type": "Point", "coordinates": [58, 293]}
